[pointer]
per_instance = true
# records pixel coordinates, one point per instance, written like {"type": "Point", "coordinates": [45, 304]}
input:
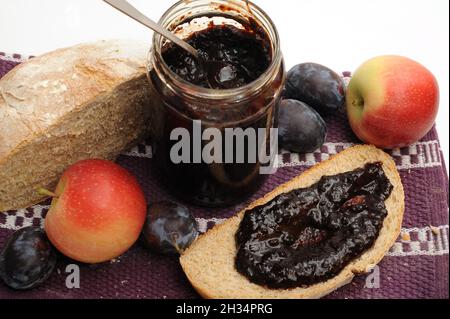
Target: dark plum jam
{"type": "Point", "coordinates": [309, 235]}
{"type": "Point", "coordinates": [233, 57]}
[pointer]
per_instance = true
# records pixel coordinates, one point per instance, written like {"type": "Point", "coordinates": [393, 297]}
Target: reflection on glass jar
{"type": "Point", "coordinates": [241, 100]}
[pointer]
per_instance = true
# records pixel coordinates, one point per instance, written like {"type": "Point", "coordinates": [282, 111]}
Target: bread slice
{"type": "Point", "coordinates": [209, 262]}
{"type": "Point", "coordinates": [87, 101]}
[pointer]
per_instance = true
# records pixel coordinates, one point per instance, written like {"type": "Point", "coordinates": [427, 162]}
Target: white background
{"type": "Point", "coordinates": [339, 34]}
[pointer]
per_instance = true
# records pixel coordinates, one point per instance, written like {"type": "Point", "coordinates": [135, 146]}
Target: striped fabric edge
{"type": "Point", "coordinates": [424, 241]}
{"type": "Point", "coordinates": [431, 241]}
{"type": "Point", "coordinates": [13, 57]}
{"type": "Point", "coordinates": [418, 155]}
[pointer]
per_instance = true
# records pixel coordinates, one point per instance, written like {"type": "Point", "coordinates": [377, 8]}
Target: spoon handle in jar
{"type": "Point", "coordinates": [126, 8]}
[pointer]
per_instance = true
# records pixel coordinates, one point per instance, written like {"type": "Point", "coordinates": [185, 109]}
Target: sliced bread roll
{"type": "Point", "coordinates": [87, 101]}
{"type": "Point", "coordinates": [209, 263]}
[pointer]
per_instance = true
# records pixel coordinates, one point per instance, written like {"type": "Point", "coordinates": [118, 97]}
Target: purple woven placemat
{"type": "Point", "coordinates": [414, 268]}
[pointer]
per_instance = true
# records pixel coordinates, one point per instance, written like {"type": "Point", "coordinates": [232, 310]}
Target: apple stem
{"type": "Point", "coordinates": [358, 102]}
{"type": "Point", "coordinates": [46, 192]}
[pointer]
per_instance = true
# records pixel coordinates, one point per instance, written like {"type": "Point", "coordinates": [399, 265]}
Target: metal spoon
{"type": "Point", "coordinates": [126, 8]}
{"type": "Point", "coordinates": [214, 70]}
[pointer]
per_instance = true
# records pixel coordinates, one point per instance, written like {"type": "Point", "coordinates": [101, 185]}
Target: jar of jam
{"type": "Point", "coordinates": [234, 87]}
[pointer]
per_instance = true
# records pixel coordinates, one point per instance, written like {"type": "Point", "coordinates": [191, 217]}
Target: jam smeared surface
{"type": "Point", "coordinates": [234, 57]}
{"type": "Point", "coordinates": [309, 235]}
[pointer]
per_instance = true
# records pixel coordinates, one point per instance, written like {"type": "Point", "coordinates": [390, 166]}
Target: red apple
{"type": "Point", "coordinates": [97, 213]}
{"type": "Point", "coordinates": [392, 101]}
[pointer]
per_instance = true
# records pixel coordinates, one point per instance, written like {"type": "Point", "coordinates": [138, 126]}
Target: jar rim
{"type": "Point", "coordinates": [221, 94]}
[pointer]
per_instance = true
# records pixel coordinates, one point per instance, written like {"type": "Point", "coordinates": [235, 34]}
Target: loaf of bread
{"type": "Point", "coordinates": [209, 263]}
{"type": "Point", "coordinates": [87, 101]}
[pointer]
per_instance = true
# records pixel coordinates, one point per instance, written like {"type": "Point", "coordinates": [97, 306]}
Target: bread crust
{"type": "Point", "coordinates": [90, 100]}
{"type": "Point", "coordinates": [37, 93]}
{"type": "Point", "coordinates": [209, 262]}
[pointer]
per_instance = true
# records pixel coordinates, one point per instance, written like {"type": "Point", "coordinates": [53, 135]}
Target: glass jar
{"type": "Point", "coordinates": [178, 104]}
